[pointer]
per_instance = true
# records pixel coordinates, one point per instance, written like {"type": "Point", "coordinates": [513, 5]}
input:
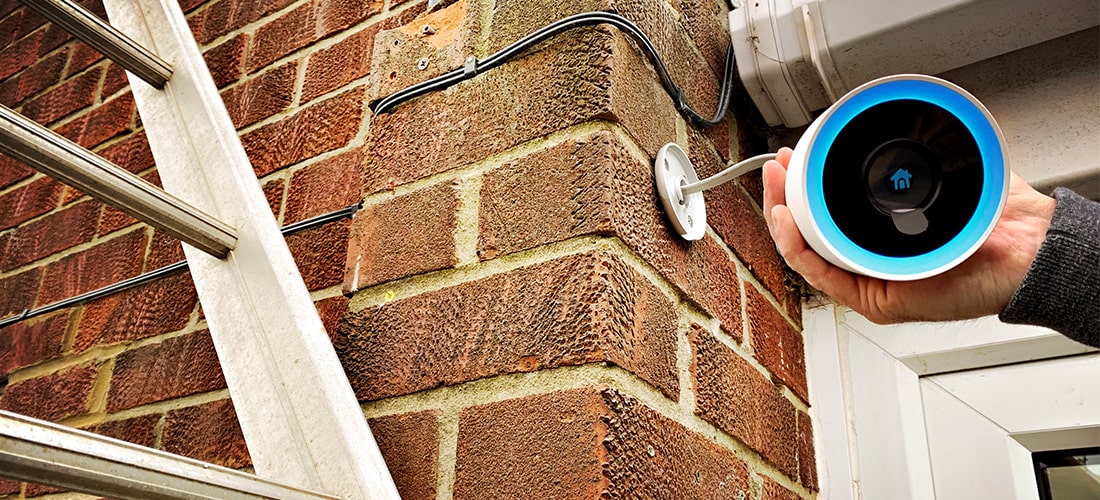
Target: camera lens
{"type": "Point", "coordinates": [902, 178]}
{"type": "Point", "coordinates": [901, 175]}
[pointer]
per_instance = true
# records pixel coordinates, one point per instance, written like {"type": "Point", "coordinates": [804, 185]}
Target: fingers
{"type": "Point", "coordinates": [842, 285]}
{"type": "Point", "coordinates": [775, 175]}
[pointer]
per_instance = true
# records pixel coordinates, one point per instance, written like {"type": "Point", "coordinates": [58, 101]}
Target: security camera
{"type": "Point", "coordinates": [902, 178]}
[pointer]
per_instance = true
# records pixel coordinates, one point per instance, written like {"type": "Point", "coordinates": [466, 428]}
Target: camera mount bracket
{"type": "Point", "coordinates": [681, 191]}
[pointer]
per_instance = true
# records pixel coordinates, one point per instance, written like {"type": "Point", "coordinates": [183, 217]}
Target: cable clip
{"type": "Point", "coordinates": [470, 67]}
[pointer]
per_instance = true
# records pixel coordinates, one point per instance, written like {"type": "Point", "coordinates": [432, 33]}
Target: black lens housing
{"type": "Point", "coordinates": [902, 155]}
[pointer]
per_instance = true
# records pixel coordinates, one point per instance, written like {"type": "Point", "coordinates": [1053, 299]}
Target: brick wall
{"type": "Point", "coordinates": [514, 313]}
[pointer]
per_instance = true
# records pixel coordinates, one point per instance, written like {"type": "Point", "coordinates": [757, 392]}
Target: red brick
{"type": "Point", "coordinates": [10, 487]}
{"type": "Point", "coordinates": [226, 61]}
{"type": "Point", "coordinates": [321, 127]}
{"type": "Point", "coordinates": [51, 234]}
{"type": "Point", "coordinates": [740, 400]}
{"type": "Point", "coordinates": [586, 75]}
{"type": "Point", "coordinates": [189, 5]}
{"type": "Point", "coordinates": [73, 95]}
{"type": "Point", "coordinates": [574, 310]}
{"type": "Point", "coordinates": [115, 81]}
{"type": "Point", "coordinates": [807, 461]}
{"type": "Point", "coordinates": [83, 57]}
{"type": "Point", "coordinates": [26, 51]}
{"type": "Point", "coordinates": [177, 367]}
{"type": "Point", "coordinates": [32, 341]}
{"type": "Point", "coordinates": [19, 24]}
{"type": "Point", "coordinates": [261, 96]}
{"type": "Point", "coordinates": [8, 6]}
{"type": "Point", "coordinates": [595, 186]}
{"type": "Point", "coordinates": [772, 490]}
{"type": "Point", "coordinates": [323, 187]}
{"type": "Point", "coordinates": [224, 16]}
{"type": "Point", "coordinates": [349, 59]}
{"type": "Point", "coordinates": [588, 443]}
{"type": "Point", "coordinates": [52, 397]}
{"type": "Point", "coordinates": [273, 192]}
{"type": "Point", "coordinates": [410, 445]}
{"type": "Point", "coordinates": [331, 311]}
{"type": "Point", "coordinates": [319, 254]}
{"type": "Point", "coordinates": [131, 153]}
{"type": "Point", "coordinates": [164, 250]}
{"type": "Point", "coordinates": [104, 122]}
{"type": "Point", "coordinates": [31, 200]}
{"type": "Point", "coordinates": [740, 224]}
{"type": "Point", "coordinates": [33, 80]}
{"type": "Point", "coordinates": [407, 235]}
{"type": "Point", "coordinates": [138, 430]}
{"type": "Point", "coordinates": [158, 307]}
{"type": "Point", "coordinates": [35, 490]}
{"type": "Point", "coordinates": [707, 25]}
{"type": "Point", "coordinates": [304, 25]}
{"type": "Point", "coordinates": [207, 432]}
{"type": "Point", "coordinates": [776, 344]}
{"type": "Point", "coordinates": [12, 171]}
{"type": "Point", "coordinates": [19, 291]}
{"type": "Point", "coordinates": [93, 268]}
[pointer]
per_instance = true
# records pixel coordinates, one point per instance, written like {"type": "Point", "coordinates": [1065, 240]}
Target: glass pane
{"type": "Point", "coordinates": [1068, 474]}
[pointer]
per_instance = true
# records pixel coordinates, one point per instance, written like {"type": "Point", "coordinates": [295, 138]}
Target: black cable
{"type": "Point", "coordinates": [156, 274]}
{"type": "Point", "coordinates": [473, 66]}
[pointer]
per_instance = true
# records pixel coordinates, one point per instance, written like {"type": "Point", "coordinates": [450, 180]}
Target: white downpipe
{"type": "Point", "coordinates": [798, 56]}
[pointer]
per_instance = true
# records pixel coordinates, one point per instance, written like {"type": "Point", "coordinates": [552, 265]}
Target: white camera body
{"type": "Point", "coordinates": [902, 178]}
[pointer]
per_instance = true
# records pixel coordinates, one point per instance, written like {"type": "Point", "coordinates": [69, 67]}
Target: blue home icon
{"type": "Point", "coordinates": [901, 179]}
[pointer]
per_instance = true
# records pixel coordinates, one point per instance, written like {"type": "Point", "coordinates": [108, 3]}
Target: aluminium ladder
{"type": "Point", "coordinates": [304, 429]}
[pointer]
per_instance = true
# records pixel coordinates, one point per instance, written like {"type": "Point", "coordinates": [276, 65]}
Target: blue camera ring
{"type": "Point", "coordinates": [994, 179]}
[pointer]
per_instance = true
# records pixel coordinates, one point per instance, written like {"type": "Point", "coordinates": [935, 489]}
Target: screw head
{"type": "Point", "coordinates": [423, 63]}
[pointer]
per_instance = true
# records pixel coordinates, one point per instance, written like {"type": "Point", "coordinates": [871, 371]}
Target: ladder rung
{"type": "Point", "coordinates": [90, 29]}
{"type": "Point", "coordinates": [46, 453]}
{"type": "Point", "coordinates": [67, 162]}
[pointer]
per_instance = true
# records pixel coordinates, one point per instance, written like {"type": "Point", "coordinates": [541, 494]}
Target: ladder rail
{"type": "Point", "coordinates": [56, 455]}
{"type": "Point", "coordinates": [103, 37]}
{"type": "Point", "coordinates": [60, 158]}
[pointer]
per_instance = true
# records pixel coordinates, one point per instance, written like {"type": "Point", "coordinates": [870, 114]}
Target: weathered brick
{"type": "Point", "coordinates": [138, 430]}
{"type": "Point", "coordinates": [594, 185]}
{"type": "Point", "coordinates": [226, 61]}
{"type": "Point", "coordinates": [83, 57]}
{"type": "Point", "coordinates": [349, 59]}
{"type": "Point", "coordinates": [32, 341]}
{"type": "Point", "coordinates": [586, 75]}
{"type": "Point", "coordinates": [740, 400]}
{"type": "Point", "coordinates": [588, 443]}
{"type": "Point", "coordinates": [164, 250]}
{"type": "Point", "coordinates": [324, 187]}
{"type": "Point", "coordinates": [776, 344]}
{"type": "Point", "coordinates": [19, 24]}
{"type": "Point", "coordinates": [207, 432]}
{"type": "Point", "coordinates": [104, 122]}
{"type": "Point", "coordinates": [115, 81]}
{"type": "Point", "coordinates": [772, 490]}
{"type": "Point", "coordinates": [707, 25]}
{"type": "Point", "coordinates": [73, 95]}
{"type": "Point", "coordinates": [131, 153]}
{"type": "Point", "coordinates": [304, 25]}
{"type": "Point", "coordinates": [261, 96]}
{"type": "Point", "coordinates": [577, 309]}
{"type": "Point", "coordinates": [331, 310]}
{"type": "Point", "coordinates": [10, 486]}
{"type": "Point", "coordinates": [319, 253]}
{"type": "Point", "coordinates": [93, 268]}
{"type": "Point", "coordinates": [807, 461]}
{"type": "Point", "coordinates": [407, 235]}
{"type": "Point", "coordinates": [224, 16]}
{"type": "Point", "coordinates": [321, 127]}
{"type": "Point", "coordinates": [737, 221]}
{"type": "Point", "coordinates": [19, 291]}
{"type": "Point", "coordinates": [51, 397]}
{"type": "Point", "coordinates": [48, 235]}
{"type": "Point", "coordinates": [410, 445]}
{"type": "Point", "coordinates": [31, 200]}
{"type": "Point", "coordinates": [33, 80]}
{"type": "Point", "coordinates": [12, 171]}
{"type": "Point", "coordinates": [24, 52]}
{"type": "Point", "coordinates": [177, 367]}
{"type": "Point", "coordinates": [273, 192]}
{"type": "Point", "coordinates": [159, 307]}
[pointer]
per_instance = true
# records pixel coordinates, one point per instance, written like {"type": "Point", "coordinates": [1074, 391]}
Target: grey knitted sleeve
{"type": "Point", "coordinates": [1061, 290]}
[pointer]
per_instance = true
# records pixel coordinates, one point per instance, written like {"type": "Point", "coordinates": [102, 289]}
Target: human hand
{"type": "Point", "coordinates": [980, 286]}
